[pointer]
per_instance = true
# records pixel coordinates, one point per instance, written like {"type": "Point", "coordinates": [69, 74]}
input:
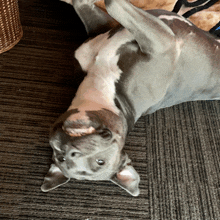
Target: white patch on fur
{"type": "Point", "coordinates": [80, 118]}
{"type": "Point", "coordinates": [54, 169]}
{"type": "Point", "coordinates": [173, 17]}
{"type": "Point", "coordinates": [77, 132]}
{"type": "Point", "coordinates": [87, 52]}
{"type": "Point", "coordinates": [99, 58]}
{"type": "Point", "coordinates": [125, 173]}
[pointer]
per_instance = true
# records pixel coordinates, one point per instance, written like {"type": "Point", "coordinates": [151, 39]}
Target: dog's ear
{"type": "Point", "coordinates": [53, 179]}
{"type": "Point", "coordinates": [128, 179]}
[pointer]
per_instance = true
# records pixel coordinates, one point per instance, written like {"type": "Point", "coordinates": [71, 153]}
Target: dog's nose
{"type": "Point", "coordinates": [61, 158]}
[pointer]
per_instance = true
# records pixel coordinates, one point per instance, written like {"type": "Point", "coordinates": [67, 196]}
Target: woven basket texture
{"type": "Point", "coordinates": [10, 26]}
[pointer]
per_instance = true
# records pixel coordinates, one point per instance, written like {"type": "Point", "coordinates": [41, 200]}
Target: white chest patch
{"type": "Point", "coordinates": [87, 52]}
{"type": "Point", "coordinates": [99, 58]}
{"type": "Point", "coordinates": [101, 49]}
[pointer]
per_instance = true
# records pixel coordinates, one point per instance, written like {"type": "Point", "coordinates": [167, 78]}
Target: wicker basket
{"type": "Point", "coordinates": [10, 26]}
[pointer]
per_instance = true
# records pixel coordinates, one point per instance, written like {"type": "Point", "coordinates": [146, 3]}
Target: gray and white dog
{"type": "Point", "coordinates": [146, 61]}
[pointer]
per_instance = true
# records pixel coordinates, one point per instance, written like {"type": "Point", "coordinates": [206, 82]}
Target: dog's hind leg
{"type": "Point", "coordinates": [148, 30]}
{"type": "Point", "coordinates": [95, 20]}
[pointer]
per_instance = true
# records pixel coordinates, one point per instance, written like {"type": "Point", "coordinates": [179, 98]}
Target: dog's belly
{"type": "Point", "coordinates": [116, 68]}
{"type": "Point", "coordinates": [103, 48]}
{"type": "Point", "coordinates": [120, 69]}
{"type": "Point", "coordinates": [99, 58]}
{"type": "Point", "coordinates": [187, 74]}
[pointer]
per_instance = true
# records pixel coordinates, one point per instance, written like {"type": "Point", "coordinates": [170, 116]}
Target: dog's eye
{"type": "Point", "coordinates": [100, 162]}
{"type": "Point", "coordinates": [75, 154]}
{"type": "Point", "coordinates": [105, 133]}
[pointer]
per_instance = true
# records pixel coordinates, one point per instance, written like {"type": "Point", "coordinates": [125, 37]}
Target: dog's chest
{"type": "Point", "coordinates": [113, 63]}
{"type": "Point", "coordinates": [100, 55]}
{"type": "Point", "coordinates": [100, 58]}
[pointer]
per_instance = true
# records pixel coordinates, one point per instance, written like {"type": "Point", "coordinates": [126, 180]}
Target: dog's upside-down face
{"type": "Point", "coordinates": [88, 146]}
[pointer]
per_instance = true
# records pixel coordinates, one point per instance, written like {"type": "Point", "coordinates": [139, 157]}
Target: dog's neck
{"type": "Point", "coordinates": [126, 110]}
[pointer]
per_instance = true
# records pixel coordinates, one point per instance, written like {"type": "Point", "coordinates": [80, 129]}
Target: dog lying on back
{"type": "Point", "coordinates": [150, 60]}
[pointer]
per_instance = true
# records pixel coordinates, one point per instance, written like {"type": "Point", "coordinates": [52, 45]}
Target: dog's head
{"type": "Point", "coordinates": [88, 146]}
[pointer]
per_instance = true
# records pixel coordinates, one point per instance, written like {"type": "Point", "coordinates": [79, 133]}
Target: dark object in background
{"type": "Point", "coordinates": [10, 25]}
